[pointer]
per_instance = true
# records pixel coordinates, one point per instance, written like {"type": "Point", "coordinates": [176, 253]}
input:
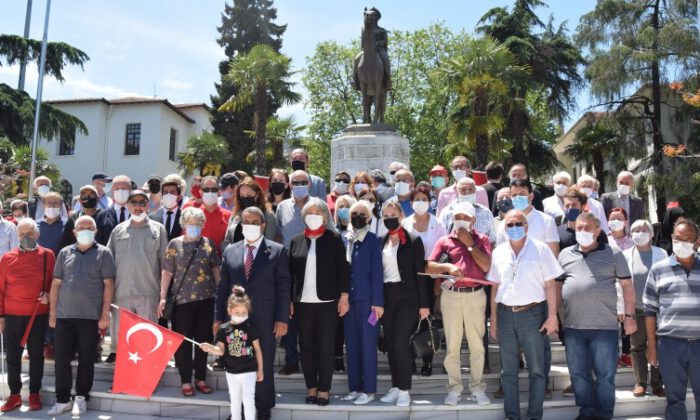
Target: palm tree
{"type": "Point", "coordinates": [206, 153]}
{"type": "Point", "coordinates": [593, 143]}
{"type": "Point", "coordinates": [281, 133]}
{"type": "Point", "coordinates": [482, 76]}
{"type": "Point", "coordinates": [261, 78]}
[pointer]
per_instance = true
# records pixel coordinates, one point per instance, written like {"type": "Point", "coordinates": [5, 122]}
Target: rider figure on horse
{"type": "Point", "coordinates": [380, 40]}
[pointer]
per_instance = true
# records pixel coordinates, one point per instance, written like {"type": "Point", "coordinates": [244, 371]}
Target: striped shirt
{"type": "Point", "coordinates": [672, 295]}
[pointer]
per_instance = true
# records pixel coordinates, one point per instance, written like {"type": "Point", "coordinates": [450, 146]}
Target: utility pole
{"type": "Point", "coordinates": [23, 63]}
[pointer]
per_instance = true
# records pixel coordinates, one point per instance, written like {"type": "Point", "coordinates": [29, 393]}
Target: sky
{"type": "Point", "coordinates": [168, 48]}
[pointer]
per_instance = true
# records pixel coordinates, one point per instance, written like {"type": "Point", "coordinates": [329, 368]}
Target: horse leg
{"type": "Point", "coordinates": [380, 107]}
{"type": "Point", "coordinates": [367, 108]}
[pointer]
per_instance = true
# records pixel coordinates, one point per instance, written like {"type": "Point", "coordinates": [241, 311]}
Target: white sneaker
{"type": "Point", "coordinates": [452, 398]}
{"type": "Point", "coordinates": [363, 399]}
{"type": "Point", "coordinates": [79, 406]}
{"type": "Point", "coordinates": [404, 399]}
{"type": "Point", "coordinates": [390, 396]}
{"type": "Point", "coordinates": [60, 408]}
{"type": "Point", "coordinates": [351, 396]}
{"type": "Point", "coordinates": [481, 398]}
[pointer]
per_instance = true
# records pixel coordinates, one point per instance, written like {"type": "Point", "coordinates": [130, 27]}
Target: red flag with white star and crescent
{"type": "Point", "coordinates": [143, 351]}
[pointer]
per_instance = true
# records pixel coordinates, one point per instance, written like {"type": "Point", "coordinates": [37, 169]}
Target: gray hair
{"type": "Point", "coordinates": [562, 174]}
{"type": "Point", "coordinates": [86, 219]}
{"type": "Point", "coordinates": [192, 213]}
{"type": "Point", "coordinates": [466, 180]}
{"type": "Point", "coordinates": [41, 178]}
{"type": "Point", "coordinates": [589, 217]}
{"type": "Point", "coordinates": [320, 204]}
{"type": "Point", "coordinates": [122, 178]}
{"type": "Point", "coordinates": [585, 178]}
{"type": "Point", "coordinates": [30, 222]}
{"type": "Point", "coordinates": [641, 222]}
{"type": "Point", "coordinates": [254, 210]}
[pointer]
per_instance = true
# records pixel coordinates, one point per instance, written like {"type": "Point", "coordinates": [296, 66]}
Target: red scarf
{"type": "Point", "coordinates": [402, 235]}
{"type": "Point", "coordinates": [314, 233]}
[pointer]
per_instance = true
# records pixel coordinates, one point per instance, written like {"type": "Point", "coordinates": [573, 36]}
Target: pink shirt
{"type": "Point", "coordinates": [461, 257]}
{"type": "Point", "coordinates": [449, 195]}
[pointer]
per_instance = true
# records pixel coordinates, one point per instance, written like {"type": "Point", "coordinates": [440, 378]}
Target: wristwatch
{"type": "Point", "coordinates": [470, 249]}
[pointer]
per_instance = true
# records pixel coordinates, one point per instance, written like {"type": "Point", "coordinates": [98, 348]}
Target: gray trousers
{"type": "Point", "coordinates": [143, 306]}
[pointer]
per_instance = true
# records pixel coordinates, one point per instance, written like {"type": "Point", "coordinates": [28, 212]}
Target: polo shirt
{"type": "Point", "coordinates": [540, 226]}
{"type": "Point", "coordinates": [82, 277]}
{"type": "Point", "coordinates": [521, 278]}
{"type": "Point", "coordinates": [672, 295]}
{"type": "Point", "coordinates": [461, 257]}
{"type": "Point", "coordinates": [589, 295]}
{"type": "Point", "coordinates": [216, 224]}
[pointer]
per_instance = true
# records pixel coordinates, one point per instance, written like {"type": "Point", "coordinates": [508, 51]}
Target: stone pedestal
{"type": "Point", "coordinates": [362, 147]}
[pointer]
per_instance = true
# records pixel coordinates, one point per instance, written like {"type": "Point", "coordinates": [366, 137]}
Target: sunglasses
{"type": "Point", "coordinates": [516, 224]}
{"type": "Point", "coordinates": [140, 203]}
{"type": "Point", "coordinates": [87, 197]}
{"type": "Point", "coordinates": [299, 183]}
{"type": "Point", "coordinates": [210, 189]}
{"type": "Point", "coordinates": [344, 181]}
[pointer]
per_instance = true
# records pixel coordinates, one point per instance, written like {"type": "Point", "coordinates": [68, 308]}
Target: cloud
{"type": "Point", "coordinates": [176, 84]}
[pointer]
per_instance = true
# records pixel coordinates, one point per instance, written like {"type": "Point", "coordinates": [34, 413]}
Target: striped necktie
{"type": "Point", "coordinates": [248, 266]}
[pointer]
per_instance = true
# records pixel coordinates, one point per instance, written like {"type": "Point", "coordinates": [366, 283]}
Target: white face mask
{"type": "Point", "coordinates": [120, 196]}
{"type": "Point", "coordinates": [584, 238]}
{"type": "Point", "coordinates": [458, 174]}
{"type": "Point", "coordinates": [85, 237]}
{"type": "Point", "coordinates": [402, 188]}
{"type": "Point", "coordinates": [340, 188]}
{"type": "Point", "coordinates": [467, 198]}
{"type": "Point", "coordinates": [43, 190]}
{"type": "Point", "coordinates": [360, 186]}
{"type": "Point", "coordinates": [587, 191]}
{"type": "Point", "coordinates": [641, 238]}
{"type": "Point", "coordinates": [138, 217]}
{"type": "Point", "coordinates": [683, 249]}
{"type": "Point", "coordinates": [52, 212]}
{"type": "Point", "coordinates": [560, 189]}
{"type": "Point", "coordinates": [616, 225]}
{"type": "Point", "coordinates": [623, 189]}
{"type": "Point", "coordinates": [313, 221]}
{"type": "Point", "coordinates": [210, 198]}
{"type": "Point", "coordinates": [169, 201]}
{"type": "Point", "coordinates": [251, 233]}
{"type": "Point", "coordinates": [235, 319]}
{"type": "Point", "coordinates": [420, 207]}
{"type": "Point", "coordinates": [461, 224]}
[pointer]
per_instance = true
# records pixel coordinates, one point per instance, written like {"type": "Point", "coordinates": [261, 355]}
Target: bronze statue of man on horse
{"type": "Point", "coordinates": [371, 70]}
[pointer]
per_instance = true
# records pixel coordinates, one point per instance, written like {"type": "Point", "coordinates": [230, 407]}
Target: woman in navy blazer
{"type": "Point", "coordinates": [364, 253]}
{"type": "Point", "coordinates": [320, 290]}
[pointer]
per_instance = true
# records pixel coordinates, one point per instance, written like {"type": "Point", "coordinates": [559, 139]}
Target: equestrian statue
{"type": "Point", "coordinates": [371, 72]}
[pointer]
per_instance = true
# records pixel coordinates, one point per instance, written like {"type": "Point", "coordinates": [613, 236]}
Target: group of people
{"type": "Point", "coordinates": [324, 271]}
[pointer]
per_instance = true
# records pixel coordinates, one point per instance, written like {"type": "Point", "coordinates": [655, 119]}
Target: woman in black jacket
{"type": "Point", "coordinates": [320, 278]}
{"type": "Point", "coordinates": [405, 299]}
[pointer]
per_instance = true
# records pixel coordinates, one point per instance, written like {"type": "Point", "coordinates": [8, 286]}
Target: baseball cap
{"type": "Point", "coordinates": [101, 175]}
{"type": "Point", "coordinates": [464, 208]}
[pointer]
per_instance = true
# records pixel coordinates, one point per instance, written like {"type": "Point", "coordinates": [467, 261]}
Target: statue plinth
{"type": "Point", "coordinates": [362, 147]}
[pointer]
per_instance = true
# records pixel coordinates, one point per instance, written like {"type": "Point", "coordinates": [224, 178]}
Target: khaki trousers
{"type": "Point", "coordinates": [464, 313]}
{"type": "Point", "coordinates": [143, 306]}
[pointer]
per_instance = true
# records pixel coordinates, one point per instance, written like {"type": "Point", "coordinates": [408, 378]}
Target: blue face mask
{"type": "Point", "coordinates": [300, 191]}
{"type": "Point", "coordinates": [437, 182]}
{"type": "Point", "coordinates": [572, 214]}
{"type": "Point", "coordinates": [344, 214]}
{"type": "Point", "coordinates": [193, 231]}
{"type": "Point", "coordinates": [515, 233]}
{"type": "Point", "coordinates": [520, 202]}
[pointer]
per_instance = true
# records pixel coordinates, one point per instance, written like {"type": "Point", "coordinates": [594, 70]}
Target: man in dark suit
{"type": "Point", "coordinates": [169, 212]}
{"type": "Point", "coordinates": [108, 219]}
{"type": "Point", "coordinates": [262, 268]}
{"type": "Point", "coordinates": [624, 199]}
{"type": "Point", "coordinates": [494, 173]}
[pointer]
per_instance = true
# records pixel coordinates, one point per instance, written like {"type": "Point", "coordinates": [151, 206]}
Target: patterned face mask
{"type": "Point", "coordinates": [27, 243]}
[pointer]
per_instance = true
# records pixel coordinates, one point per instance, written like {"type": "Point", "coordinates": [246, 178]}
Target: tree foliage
{"type": "Point", "coordinates": [206, 153]}
{"type": "Point", "coordinates": [16, 49]}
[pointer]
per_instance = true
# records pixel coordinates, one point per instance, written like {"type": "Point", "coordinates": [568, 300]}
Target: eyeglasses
{"type": "Point", "coordinates": [210, 189]}
{"type": "Point", "coordinates": [140, 203]}
{"type": "Point", "coordinates": [518, 224]}
{"type": "Point", "coordinates": [299, 183]}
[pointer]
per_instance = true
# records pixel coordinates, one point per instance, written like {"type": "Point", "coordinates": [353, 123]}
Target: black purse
{"type": "Point", "coordinates": [381, 338]}
{"type": "Point", "coordinates": [425, 341]}
{"type": "Point", "coordinates": [170, 301]}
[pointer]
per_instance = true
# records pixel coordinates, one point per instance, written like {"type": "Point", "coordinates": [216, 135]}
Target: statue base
{"type": "Point", "coordinates": [362, 147]}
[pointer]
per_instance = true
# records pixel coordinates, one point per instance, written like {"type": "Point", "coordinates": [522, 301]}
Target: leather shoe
{"type": "Point", "coordinates": [339, 364]}
{"type": "Point", "coordinates": [111, 358]}
{"type": "Point", "coordinates": [499, 392]}
{"type": "Point", "coordinates": [322, 402]}
{"type": "Point", "coordinates": [639, 391]}
{"type": "Point", "coordinates": [427, 369]}
{"type": "Point", "coordinates": [659, 392]}
{"type": "Point", "coordinates": [203, 387]}
{"type": "Point", "coordinates": [312, 400]}
{"type": "Point", "coordinates": [288, 370]}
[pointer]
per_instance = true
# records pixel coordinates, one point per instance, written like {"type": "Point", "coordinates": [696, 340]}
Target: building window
{"type": "Point", "coordinates": [173, 144]}
{"type": "Point", "coordinates": [66, 144]}
{"type": "Point", "coordinates": [133, 139]}
{"type": "Point", "coordinates": [67, 193]}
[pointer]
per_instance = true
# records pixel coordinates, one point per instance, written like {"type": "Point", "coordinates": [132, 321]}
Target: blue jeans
{"type": "Point", "coordinates": [588, 352]}
{"type": "Point", "coordinates": [518, 330]}
{"type": "Point", "coordinates": [679, 362]}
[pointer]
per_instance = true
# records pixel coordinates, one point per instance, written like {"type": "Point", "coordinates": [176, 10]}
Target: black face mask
{"type": "Point", "coordinates": [358, 221]}
{"type": "Point", "coordinates": [505, 205]}
{"type": "Point", "coordinates": [298, 165]}
{"type": "Point", "coordinates": [90, 203]}
{"type": "Point", "coordinates": [277, 187]}
{"type": "Point", "coordinates": [247, 202]}
{"type": "Point", "coordinates": [391, 223]}
{"type": "Point", "coordinates": [154, 187]}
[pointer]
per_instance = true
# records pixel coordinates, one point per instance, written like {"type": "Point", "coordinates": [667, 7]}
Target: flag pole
{"type": "Point", "coordinates": [188, 339]}
{"type": "Point", "coordinates": [37, 111]}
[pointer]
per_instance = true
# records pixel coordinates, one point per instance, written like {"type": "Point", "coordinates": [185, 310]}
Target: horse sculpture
{"type": "Point", "coordinates": [369, 74]}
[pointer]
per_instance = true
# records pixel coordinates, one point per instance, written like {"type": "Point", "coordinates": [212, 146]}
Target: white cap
{"type": "Point", "coordinates": [464, 208]}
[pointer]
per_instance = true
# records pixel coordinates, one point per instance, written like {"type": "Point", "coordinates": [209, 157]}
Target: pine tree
{"type": "Point", "coordinates": [244, 24]}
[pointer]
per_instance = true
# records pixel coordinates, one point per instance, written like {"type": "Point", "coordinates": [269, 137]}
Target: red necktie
{"type": "Point", "coordinates": [249, 262]}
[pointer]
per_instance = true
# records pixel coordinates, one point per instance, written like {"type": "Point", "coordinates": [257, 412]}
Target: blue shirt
{"type": "Point", "coordinates": [50, 235]}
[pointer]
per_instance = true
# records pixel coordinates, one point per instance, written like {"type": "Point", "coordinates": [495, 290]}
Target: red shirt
{"type": "Point", "coordinates": [22, 280]}
{"type": "Point", "coordinates": [217, 222]}
{"type": "Point", "coordinates": [461, 257]}
{"type": "Point", "coordinates": [330, 201]}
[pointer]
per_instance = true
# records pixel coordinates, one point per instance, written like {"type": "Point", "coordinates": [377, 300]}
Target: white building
{"type": "Point", "coordinates": [132, 136]}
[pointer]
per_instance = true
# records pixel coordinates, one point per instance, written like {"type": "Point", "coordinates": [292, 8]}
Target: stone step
{"type": "Point", "coordinates": [168, 402]}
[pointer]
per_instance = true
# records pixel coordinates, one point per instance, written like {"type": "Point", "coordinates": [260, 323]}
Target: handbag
{"type": "Point", "coordinates": [425, 341]}
{"type": "Point", "coordinates": [381, 338]}
{"type": "Point", "coordinates": [169, 308]}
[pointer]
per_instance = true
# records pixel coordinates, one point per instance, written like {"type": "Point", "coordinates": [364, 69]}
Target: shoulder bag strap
{"type": "Point", "coordinates": [189, 263]}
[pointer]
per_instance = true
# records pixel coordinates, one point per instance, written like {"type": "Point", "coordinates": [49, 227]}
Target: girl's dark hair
{"type": "Point", "coordinates": [239, 297]}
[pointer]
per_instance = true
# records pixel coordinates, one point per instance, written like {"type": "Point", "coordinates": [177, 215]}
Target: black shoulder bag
{"type": "Point", "coordinates": [425, 341]}
{"type": "Point", "coordinates": [169, 308]}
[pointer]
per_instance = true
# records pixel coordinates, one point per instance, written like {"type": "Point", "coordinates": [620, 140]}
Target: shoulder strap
{"type": "Point", "coordinates": [43, 275]}
{"type": "Point", "coordinates": [189, 263]}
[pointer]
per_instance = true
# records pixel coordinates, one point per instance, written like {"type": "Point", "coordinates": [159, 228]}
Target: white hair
{"type": "Point", "coordinates": [320, 204]}
{"type": "Point", "coordinates": [122, 178]}
{"type": "Point", "coordinates": [466, 180]}
{"type": "Point", "coordinates": [87, 219]}
{"type": "Point", "coordinates": [192, 213]}
{"type": "Point", "coordinates": [30, 222]}
{"type": "Point", "coordinates": [641, 222]}
{"type": "Point", "coordinates": [585, 178]}
{"type": "Point", "coordinates": [562, 174]}
{"type": "Point", "coordinates": [41, 178]}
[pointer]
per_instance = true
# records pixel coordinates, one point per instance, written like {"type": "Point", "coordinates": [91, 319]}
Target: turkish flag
{"type": "Point", "coordinates": [143, 351]}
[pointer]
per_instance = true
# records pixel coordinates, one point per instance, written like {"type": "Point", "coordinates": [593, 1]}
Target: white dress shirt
{"type": "Point", "coordinates": [521, 278]}
{"type": "Point", "coordinates": [540, 226]}
{"type": "Point", "coordinates": [118, 209]}
{"type": "Point", "coordinates": [308, 293]}
{"type": "Point", "coordinates": [391, 266]}
{"type": "Point", "coordinates": [8, 236]}
{"type": "Point", "coordinates": [256, 247]}
{"type": "Point", "coordinates": [553, 206]}
{"type": "Point", "coordinates": [596, 209]}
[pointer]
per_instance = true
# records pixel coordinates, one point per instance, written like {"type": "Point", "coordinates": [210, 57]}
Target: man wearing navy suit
{"type": "Point", "coordinates": [262, 268]}
{"type": "Point", "coordinates": [108, 219]}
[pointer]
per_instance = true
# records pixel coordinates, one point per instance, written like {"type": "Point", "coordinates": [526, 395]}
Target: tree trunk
{"type": "Point", "coordinates": [482, 139]}
{"type": "Point", "coordinates": [260, 122]}
{"type": "Point", "coordinates": [518, 118]}
{"type": "Point", "coordinates": [599, 168]}
{"type": "Point", "coordinates": [657, 140]}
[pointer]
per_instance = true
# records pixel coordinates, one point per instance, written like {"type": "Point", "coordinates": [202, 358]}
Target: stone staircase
{"type": "Point", "coordinates": [427, 396]}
